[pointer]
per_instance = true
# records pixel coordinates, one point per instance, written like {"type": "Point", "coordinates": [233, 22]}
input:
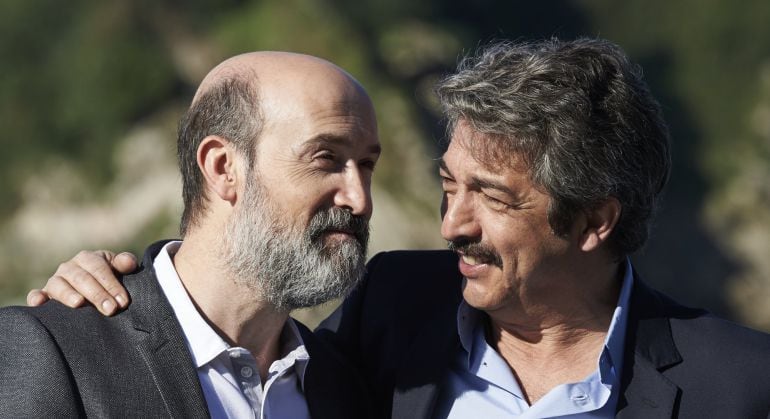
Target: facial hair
{"type": "Point", "coordinates": [288, 266]}
{"type": "Point", "coordinates": [480, 251]}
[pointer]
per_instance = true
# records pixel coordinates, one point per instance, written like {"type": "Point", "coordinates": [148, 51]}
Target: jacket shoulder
{"type": "Point", "coordinates": [721, 361]}
{"type": "Point", "coordinates": [34, 379]}
{"type": "Point", "coordinates": [711, 339]}
{"type": "Point", "coordinates": [719, 367]}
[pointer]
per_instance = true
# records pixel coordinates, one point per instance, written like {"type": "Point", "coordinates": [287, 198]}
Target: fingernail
{"type": "Point", "coordinates": [121, 301]}
{"type": "Point", "coordinates": [108, 306]}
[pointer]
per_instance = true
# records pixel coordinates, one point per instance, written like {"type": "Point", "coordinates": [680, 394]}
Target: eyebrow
{"type": "Point", "coordinates": [326, 138]}
{"type": "Point", "coordinates": [478, 182]}
{"type": "Point", "coordinates": [442, 165]}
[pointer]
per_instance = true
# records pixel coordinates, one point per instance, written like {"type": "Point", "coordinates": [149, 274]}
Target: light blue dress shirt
{"type": "Point", "coordinates": [480, 383]}
{"type": "Point", "coordinates": [229, 375]}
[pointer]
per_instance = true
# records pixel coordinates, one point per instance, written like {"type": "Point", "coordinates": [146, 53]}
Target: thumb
{"type": "Point", "coordinates": [124, 262]}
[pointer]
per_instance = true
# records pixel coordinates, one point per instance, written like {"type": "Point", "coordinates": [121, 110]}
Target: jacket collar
{"type": "Point", "coordinates": [161, 343]}
{"type": "Point", "coordinates": [650, 350]}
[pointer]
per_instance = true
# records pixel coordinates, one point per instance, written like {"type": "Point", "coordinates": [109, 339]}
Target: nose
{"type": "Point", "coordinates": [458, 217]}
{"type": "Point", "coordinates": [355, 193]}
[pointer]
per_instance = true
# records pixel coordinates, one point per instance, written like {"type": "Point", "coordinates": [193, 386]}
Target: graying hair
{"type": "Point", "coordinates": [229, 109]}
{"type": "Point", "coordinates": [580, 116]}
{"type": "Point", "coordinates": [289, 266]}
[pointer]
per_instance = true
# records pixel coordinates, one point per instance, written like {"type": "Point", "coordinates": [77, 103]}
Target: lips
{"type": "Point", "coordinates": [477, 253]}
{"type": "Point", "coordinates": [337, 234]}
{"type": "Point", "coordinates": [470, 260]}
{"type": "Point", "coordinates": [339, 231]}
{"type": "Point", "coordinates": [472, 267]}
{"type": "Point", "coordinates": [476, 259]}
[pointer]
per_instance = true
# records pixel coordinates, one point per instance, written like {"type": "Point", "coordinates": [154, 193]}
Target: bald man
{"type": "Point", "coordinates": [276, 154]}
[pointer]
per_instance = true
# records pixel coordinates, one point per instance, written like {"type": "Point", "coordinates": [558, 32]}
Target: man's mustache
{"type": "Point", "coordinates": [338, 219]}
{"type": "Point", "coordinates": [476, 249]}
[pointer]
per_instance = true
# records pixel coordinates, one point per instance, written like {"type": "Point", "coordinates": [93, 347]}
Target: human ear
{"type": "Point", "coordinates": [217, 162]}
{"type": "Point", "coordinates": [600, 221]}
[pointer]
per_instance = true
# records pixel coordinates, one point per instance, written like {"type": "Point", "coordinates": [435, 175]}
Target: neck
{"type": "Point", "coordinates": [231, 308]}
{"type": "Point", "coordinates": [563, 308]}
{"type": "Point", "coordinates": [561, 331]}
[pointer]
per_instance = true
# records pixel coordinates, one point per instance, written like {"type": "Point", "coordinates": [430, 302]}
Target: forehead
{"type": "Point", "coordinates": [485, 152]}
{"type": "Point", "coordinates": [331, 107]}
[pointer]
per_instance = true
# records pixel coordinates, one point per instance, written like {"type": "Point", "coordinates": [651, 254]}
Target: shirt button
{"type": "Point", "coordinates": [246, 372]}
{"type": "Point", "coordinates": [579, 398]}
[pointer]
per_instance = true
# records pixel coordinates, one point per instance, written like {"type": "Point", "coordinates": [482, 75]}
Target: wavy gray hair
{"type": "Point", "coordinates": [581, 117]}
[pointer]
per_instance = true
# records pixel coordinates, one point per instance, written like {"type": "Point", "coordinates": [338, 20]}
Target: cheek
{"type": "Point", "coordinates": [308, 198]}
{"type": "Point", "coordinates": [443, 207]}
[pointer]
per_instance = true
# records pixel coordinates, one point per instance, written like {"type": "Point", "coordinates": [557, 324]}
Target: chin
{"type": "Point", "coordinates": [481, 297]}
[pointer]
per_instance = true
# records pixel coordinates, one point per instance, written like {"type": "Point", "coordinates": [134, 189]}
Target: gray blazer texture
{"type": "Point", "coordinates": [62, 362]}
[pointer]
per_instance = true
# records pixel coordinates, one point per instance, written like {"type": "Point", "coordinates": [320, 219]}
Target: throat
{"type": "Point", "coordinates": [542, 360]}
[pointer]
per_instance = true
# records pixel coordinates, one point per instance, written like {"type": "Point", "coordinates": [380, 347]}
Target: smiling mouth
{"type": "Point", "coordinates": [474, 253]}
{"type": "Point", "coordinates": [471, 260]}
{"type": "Point", "coordinates": [475, 258]}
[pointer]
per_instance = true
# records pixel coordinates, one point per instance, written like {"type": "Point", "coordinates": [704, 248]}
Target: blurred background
{"type": "Point", "coordinates": [91, 91]}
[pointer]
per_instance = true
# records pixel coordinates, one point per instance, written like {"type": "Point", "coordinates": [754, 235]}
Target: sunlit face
{"type": "Point", "coordinates": [292, 267]}
{"type": "Point", "coordinates": [497, 221]}
{"type": "Point", "coordinates": [318, 150]}
{"type": "Point", "coordinates": [314, 163]}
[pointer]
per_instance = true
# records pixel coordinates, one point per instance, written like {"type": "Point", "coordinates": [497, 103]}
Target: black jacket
{"type": "Point", "coordinates": [399, 327]}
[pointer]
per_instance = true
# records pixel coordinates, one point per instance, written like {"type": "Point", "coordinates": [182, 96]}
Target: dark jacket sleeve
{"type": "Point", "coordinates": [35, 380]}
{"type": "Point", "coordinates": [405, 299]}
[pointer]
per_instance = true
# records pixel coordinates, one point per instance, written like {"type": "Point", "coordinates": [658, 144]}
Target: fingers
{"type": "Point", "coordinates": [124, 263]}
{"type": "Point", "coordinates": [36, 297]}
{"type": "Point", "coordinates": [88, 276]}
{"type": "Point", "coordinates": [60, 290]}
{"type": "Point", "coordinates": [106, 293]}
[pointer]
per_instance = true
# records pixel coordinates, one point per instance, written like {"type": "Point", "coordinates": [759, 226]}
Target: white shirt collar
{"type": "Point", "coordinates": [202, 341]}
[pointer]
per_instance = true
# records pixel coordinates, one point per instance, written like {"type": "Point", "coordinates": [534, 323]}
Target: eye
{"type": "Point", "coordinates": [324, 156]}
{"type": "Point", "coordinates": [327, 160]}
{"type": "Point", "coordinates": [496, 203]}
{"type": "Point", "coordinates": [368, 164]}
{"type": "Point", "coordinates": [448, 184]}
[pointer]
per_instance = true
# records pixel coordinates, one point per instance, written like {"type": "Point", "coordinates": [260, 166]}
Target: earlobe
{"type": "Point", "coordinates": [600, 222]}
{"type": "Point", "coordinates": [216, 161]}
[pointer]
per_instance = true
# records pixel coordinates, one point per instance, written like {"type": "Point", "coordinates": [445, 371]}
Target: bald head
{"type": "Point", "coordinates": [243, 95]}
{"type": "Point", "coordinates": [273, 71]}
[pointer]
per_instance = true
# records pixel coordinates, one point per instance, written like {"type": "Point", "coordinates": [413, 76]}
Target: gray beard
{"type": "Point", "coordinates": [287, 268]}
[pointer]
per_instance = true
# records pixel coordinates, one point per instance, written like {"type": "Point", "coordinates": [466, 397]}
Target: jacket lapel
{"type": "Point", "coordinates": [160, 341]}
{"type": "Point", "coordinates": [650, 349]}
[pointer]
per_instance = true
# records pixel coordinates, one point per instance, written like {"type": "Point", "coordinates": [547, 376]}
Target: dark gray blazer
{"type": "Point", "coordinates": [60, 362]}
{"type": "Point", "coordinates": [399, 327]}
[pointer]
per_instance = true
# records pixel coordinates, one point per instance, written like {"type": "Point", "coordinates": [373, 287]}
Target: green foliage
{"type": "Point", "coordinates": [77, 77]}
